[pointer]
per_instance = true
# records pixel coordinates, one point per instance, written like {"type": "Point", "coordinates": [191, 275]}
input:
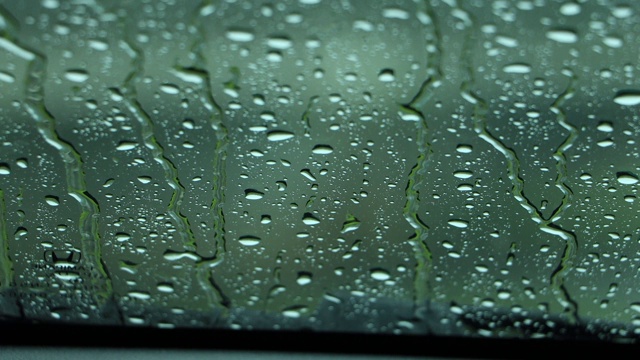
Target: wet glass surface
{"type": "Point", "coordinates": [410, 167]}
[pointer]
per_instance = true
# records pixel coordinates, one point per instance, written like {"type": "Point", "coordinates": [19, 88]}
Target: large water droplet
{"type": "Point", "coordinates": [279, 135]}
{"type": "Point", "coordinates": [627, 97]}
{"type": "Point", "coordinates": [322, 149]}
{"type": "Point", "coordinates": [249, 240]}
{"type": "Point", "coordinates": [380, 274]}
{"type": "Point", "coordinates": [251, 194]}
{"type": "Point", "coordinates": [626, 178]}
{"type": "Point", "coordinates": [240, 35]}
{"type": "Point", "coordinates": [77, 75]}
{"type": "Point", "coordinates": [564, 36]}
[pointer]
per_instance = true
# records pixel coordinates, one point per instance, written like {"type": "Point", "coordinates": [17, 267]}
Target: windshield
{"type": "Point", "coordinates": [404, 167]}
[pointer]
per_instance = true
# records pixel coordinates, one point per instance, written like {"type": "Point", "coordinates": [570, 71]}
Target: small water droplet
{"type": "Point", "coordinates": [5, 169]}
{"type": "Point", "coordinates": [605, 126]}
{"type": "Point", "coordinates": [6, 77]}
{"type": "Point", "coordinates": [280, 43]}
{"type": "Point", "coordinates": [144, 179]}
{"type": "Point", "coordinates": [165, 288]}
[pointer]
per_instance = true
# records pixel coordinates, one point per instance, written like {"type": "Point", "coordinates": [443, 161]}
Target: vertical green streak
{"type": "Point", "coordinates": [147, 129]}
{"type": "Point", "coordinates": [216, 121]}
{"type": "Point", "coordinates": [480, 112]}
{"type": "Point", "coordinates": [6, 265]}
{"type": "Point", "coordinates": [34, 105]}
{"type": "Point", "coordinates": [411, 111]}
{"type": "Point", "coordinates": [307, 114]}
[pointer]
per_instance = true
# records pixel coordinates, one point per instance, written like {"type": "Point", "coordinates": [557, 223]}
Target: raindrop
{"type": "Point", "coordinates": [280, 43]}
{"type": "Point", "coordinates": [6, 77]}
{"type": "Point", "coordinates": [463, 174]}
{"type": "Point", "coordinates": [351, 224]}
{"type": "Point", "coordinates": [395, 13]}
{"type": "Point", "coordinates": [386, 75]}
{"type": "Point", "coordinates": [249, 240]}
{"type": "Point", "coordinates": [458, 223]}
{"type": "Point", "coordinates": [605, 126]}
{"type": "Point", "coordinates": [52, 200]}
{"type": "Point", "coordinates": [165, 288]}
{"type": "Point", "coordinates": [240, 35]}
{"type": "Point", "coordinates": [570, 9]}
{"type": "Point", "coordinates": [22, 163]}
{"type": "Point", "coordinates": [279, 135]}
{"type": "Point", "coordinates": [626, 178]}
{"type": "Point", "coordinates": [122, 237]}
{"type": "Point", "coordinates": [627, 97]}
{"type": "Point", "coordinates": [144, 179]}
{"type": "Point", "coordinates": [5, 169]}
{"type": "Point", "coordinates": [304, 278]}
{"type": "Point", "coordinates": [322, 149]}
{"type": "Point", "coordinates": [517, 68]}
{"type": "Point", "coordinates": [77, 75]}
{"type": "Point", "coordinates": [380, 274]}
{"type": "Point", "coordinates": [170, 89]}
{"type": "Point", "coordinates": [126, 145]}
{"type": "Point", "coordinates": [251, 194]}
{"type": "Point", "coordinates": [464, 148]}
{"type": "Point", "coordinates": [307, 173]}
{"type": "Point", "coordinates": [309, 219]}
{"type": "Point", "coordinates": [139, 295]}
{"type": "Point", "coordinates": [562, 36]}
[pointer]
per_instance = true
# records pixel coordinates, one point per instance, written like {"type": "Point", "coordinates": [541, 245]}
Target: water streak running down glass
{"type": "Point", "coordinates": [406, 167]}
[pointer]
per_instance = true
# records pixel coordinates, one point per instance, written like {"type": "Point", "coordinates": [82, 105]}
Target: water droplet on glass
{"type": "Point", "coordinates": [251, 194]}
{"type": "Point", "coordinates": [458, 223]}
{"type": "Point", "coordinates": [395, 13]}
{"type": "Point", "coordinates": [77, 75]}
{"type": "Point", "coordinates": [280, 43]}
{"type": "Point", "coordinates": [249, 240]}
{"type": "Point", "coordinates": [463, 174]}
{"type": "Point", "coordinates": [309, 219]}
{"type": "Point", "coordinates": [170, 89]}
{"type": "Point", "coordinates": [165, 288]}
{"type": "Point", "coordinates": [627, 97]}
{"type": "Point", "coordinates": [126, 145]}
{"type": "Point", "coordinates": [380, 274]}
{"type": "Point", "coordinates": [564, 36]}
{"type": "Point", "coordinates": [570, 9]}
{"type": "Point", "coordinates": [122, 237]}
{"type": "Point", "coordinates": [144, 179]}
{"type": "Point", "coordinates": [307, 173]}
{"type": "Point", "coordinates": [240, 35]}
{"type": "Point", "coordinates": [626, 178]}
{"type": "Point", "coordinates": [517, 68]}
{"type": "Point", "coordinates": [6, 77]}
{"type": "Point", "coordinates": [351, 224]}
{"type": "Point", "coordinates": [322, 149]}
{"type": "Point", "coordinates": [605, 126]}
{"type": "Point", "coordinates": [279, 135]}
{"type": "Point", "coordinates": [304, 278]}
{"type": "Point", "coordinates": [52, 200]}
{"type": "Point", "coordinates": [5, 169]}
{"type": "Point", "coordinates": [386, 75]}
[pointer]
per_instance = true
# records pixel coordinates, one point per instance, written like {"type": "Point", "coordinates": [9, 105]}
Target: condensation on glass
{"type": "Point", "coordinates": [409, 167]}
